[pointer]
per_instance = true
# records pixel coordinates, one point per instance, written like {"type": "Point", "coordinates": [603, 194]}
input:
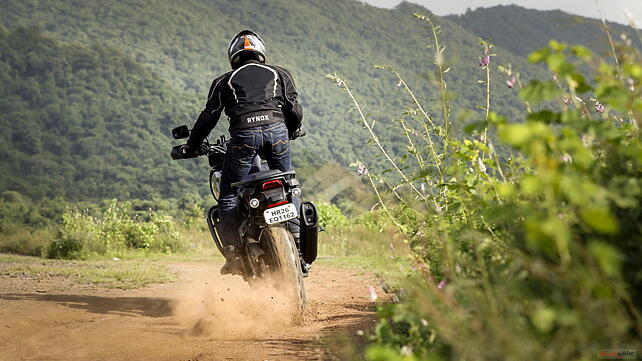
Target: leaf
{"type": "Point", "coordinates": [582, 52]}
{"type": "Point", "coordinates": [557, 46]}
{"type": "Point", "coordinates": [607, 256]}
{"type": "Point", "coordinates": [600, 220]}
{"type": "Point", "coordinates": [515, 134]}
{"type": "Point", "coordinates": [543, 319]}
{"type": "Point", "coordinates": [580, 84]}
{"type": "Point", "coordinates": [537, 91]}
{"type": "Point", "coordinates": [544, 116]}
{"type": "Point", "coordinates": [613, 95]}
{"type": "Point", "coordinates": [475, 126]}
{"type": "Point", "coordinates": [633, 70]}
{"type": "Point", "coordinates": [570, 115]}
{"type": "Point", "coordinates": [555, 61]}
{"type": "Point", "coordinates": [539, 55]}
{"type": "Point", "coordinates": [496, 119]}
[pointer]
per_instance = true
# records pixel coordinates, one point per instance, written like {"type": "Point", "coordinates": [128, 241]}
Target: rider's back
{"type": "Point", "coordinates": [252, 95]}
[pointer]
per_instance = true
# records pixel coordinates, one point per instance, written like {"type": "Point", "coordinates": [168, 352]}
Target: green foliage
{"type": "Point", "coordinates": [330, 216]}
{"type": "Point", "coordinates": [86, 123]}
{"type": "Point", "coordinates": [59, 229]}
{"type": "Point", "coordinates": [109, 79]}
{"type": "Point", "coordinates": [80, 235]}
{"type": "Point", "coordinates": [525, 249]}
{"type": "Point", "coordinates": [111, 274]}
{"type": "Point", "coordinates": [72, 237]}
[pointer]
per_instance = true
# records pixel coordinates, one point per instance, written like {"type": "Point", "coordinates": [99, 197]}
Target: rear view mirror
{"type": "Point", "coordinates": [180, 132]}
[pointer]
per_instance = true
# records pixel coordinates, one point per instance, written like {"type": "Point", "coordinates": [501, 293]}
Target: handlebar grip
{"type": "Point", "coordinates": [176, 152]}
{"type": "Point", "coordinates": [302, 131]}
{"type": "Point", "coordinates": [298, 133]}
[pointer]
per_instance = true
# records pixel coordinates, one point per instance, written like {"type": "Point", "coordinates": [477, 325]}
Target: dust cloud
{"type": "Point", "coordinates": [227, 308]}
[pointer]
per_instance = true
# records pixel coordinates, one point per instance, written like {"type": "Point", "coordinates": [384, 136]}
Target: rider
{"type": "Point", "coordinates": [260, 101]}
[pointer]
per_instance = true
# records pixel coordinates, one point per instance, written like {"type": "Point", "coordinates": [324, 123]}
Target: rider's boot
{"type": "Point", "coordinates": [232, 261]}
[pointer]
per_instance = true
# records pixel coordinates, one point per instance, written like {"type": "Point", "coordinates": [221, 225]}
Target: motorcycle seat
{"type": "Point", "coordinates": [263, 175]}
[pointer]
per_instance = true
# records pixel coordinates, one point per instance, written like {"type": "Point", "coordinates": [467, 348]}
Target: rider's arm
{"type": "Point", "coordinates": [209, 116]}
{"type": "Point", "coordinates": [292, 109]}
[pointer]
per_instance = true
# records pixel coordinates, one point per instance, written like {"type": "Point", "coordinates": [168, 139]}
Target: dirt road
{"type": "Point", "coordinates": [204, 316]}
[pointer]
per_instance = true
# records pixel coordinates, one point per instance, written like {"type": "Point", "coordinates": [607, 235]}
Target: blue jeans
{"type": "Point", "coordinates": [271, 143]}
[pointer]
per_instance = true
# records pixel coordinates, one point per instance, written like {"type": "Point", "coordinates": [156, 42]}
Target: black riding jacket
{"type": "Point", "coordinates": [253, 94]}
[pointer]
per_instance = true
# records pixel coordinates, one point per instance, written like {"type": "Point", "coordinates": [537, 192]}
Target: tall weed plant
{"type": "Point", "coordinates": [80, 235]}
{"type": "Point", "coordinates": [525, 233]}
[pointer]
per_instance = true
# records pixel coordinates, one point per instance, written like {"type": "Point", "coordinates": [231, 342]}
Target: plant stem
{"type": "Point", "coordinates": [375, 138]}
{"type": "Point", "coordinates": [392, 218]}
{"type": "Point", "coordinates": [425, 115]}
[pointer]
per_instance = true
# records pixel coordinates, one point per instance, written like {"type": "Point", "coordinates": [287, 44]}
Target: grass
{"type": "Point", "coordinates": [110, 274]}
{"type": "Point", "coordinates": [359, 262]}
{"type": "Point", "coordinates": [355, 247]}
{"type": "Point", "coordinates": [381, 252]}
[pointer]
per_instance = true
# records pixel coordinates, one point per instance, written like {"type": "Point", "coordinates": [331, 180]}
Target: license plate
{"type": "Point", "coordinates": [280, 214]}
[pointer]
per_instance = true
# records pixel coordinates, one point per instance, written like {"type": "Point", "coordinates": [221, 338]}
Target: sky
{"type": "Point", "coordinates": [613, 10]}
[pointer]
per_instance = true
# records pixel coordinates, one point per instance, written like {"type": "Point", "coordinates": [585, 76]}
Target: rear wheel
{"type": "Point", "coordinates": [285, 270]}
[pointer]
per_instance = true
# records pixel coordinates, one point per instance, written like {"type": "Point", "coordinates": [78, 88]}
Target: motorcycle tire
{"type": "Point", "coordinates": [286, 271]}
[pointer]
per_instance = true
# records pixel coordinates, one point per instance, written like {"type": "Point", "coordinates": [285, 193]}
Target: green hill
{"type": "Point", "coordinates": [522, 30]}
{"type": "Point", "coordinates": [185, 44]}
{"type": "Point", "coordinates": [85, 122]}
{"type": "Point", "coordinates": [103, 129]}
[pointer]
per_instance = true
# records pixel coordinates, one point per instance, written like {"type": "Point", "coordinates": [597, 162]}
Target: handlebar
{"type": "Point", "coordinates": [219, 147]}
{"type": "Point", "coordinates": [301, 132]}
{"type": "Point", "coordinates": [205, 149]}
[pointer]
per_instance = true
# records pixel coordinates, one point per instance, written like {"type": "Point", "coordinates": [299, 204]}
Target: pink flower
{"type": "Point", "coordinates": [441, 284]}
{"type": "Point", "coordinates": [511, 82]}
{"type": "Point", "coordinates": [599, 108]}
{"type": "Point", "coordinates": [484, 61]}
{"type": "Point", "coordinates": [362, 170]}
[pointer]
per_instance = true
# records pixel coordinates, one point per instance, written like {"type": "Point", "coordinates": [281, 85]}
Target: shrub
{"type": "Point", "coordinates": [527, 248]}
{"type": "Point", "coordinates": [330, 216]}
{"type": "Point", "coordinates": [74, 237]}
{"type": "Point", "coordinates": [118, 229]}
{"type": "Point", "coordinates": [20, 239]}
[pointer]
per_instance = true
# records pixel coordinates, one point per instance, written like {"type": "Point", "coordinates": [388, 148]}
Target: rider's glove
{"type": "Point", "coordinates": [299, 132]}
{"type": "Point", "coordinates": [186, 151]}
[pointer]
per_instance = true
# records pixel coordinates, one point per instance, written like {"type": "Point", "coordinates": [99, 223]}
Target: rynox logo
{"type": "Point", "coordinates": [258, 118]}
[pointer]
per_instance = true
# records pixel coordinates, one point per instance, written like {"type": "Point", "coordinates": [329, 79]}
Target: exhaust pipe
{"type": "Point", "coordinates": [309, 231]}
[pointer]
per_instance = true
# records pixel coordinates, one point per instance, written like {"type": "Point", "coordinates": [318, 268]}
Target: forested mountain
{"type": "Point", "coordinates": [184, 42]}
{"type": "Point", "coordinates": [522, 30]}
{"type": "Point", "coordinates": [88, 105]}
{"type": "Point", "coordinates": [84, 122]}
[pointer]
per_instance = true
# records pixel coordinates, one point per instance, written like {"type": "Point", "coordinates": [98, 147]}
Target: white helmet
{"type": "Point", "coordinates": [246, 42]}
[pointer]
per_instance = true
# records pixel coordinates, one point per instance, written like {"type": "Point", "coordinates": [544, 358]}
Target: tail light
{"type": "Point", "coordinates": [273, 192]}
{"type": "Point", "coordinates": [272, 184]}
{"type": "Point", "coordinates": [278, 204]}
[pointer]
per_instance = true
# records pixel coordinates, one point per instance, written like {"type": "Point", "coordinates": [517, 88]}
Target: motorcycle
{"type": "Point", "coordinates": [266, 203]}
